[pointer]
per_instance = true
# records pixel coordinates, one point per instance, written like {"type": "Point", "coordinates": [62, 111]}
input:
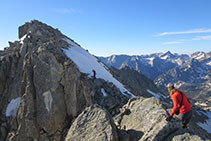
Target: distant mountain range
{"type": "Point", "coordinates": [186, 71]}
{"type": "Point", "coordinates": [151, 65]}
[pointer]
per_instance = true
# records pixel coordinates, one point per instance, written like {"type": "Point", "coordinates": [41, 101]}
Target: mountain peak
{"type": "Point", "coordinates": [37, 28]}
{"type": "Point", "coordinates": [168, 52]}
{"type": "Point", "coordinates": [167, 55]}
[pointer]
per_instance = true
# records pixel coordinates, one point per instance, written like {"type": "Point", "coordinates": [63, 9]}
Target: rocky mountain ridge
{"type": "Point", "coordinates": [43, 90]}
{"type": "Point", "coordinates": [47, 92]}
{"type": "Point", "coordinates": [151, 65]}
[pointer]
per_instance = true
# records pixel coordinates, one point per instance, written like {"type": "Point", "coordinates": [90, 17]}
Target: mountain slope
{"type": "Point", "coordinates": [43, 86]}
{"type": "Point", "coordinates": [86, 63]}
{"type": "Point", "coordinates": [137, 83]}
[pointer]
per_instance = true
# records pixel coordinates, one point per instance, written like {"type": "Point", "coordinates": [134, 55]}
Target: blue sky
{"type": "Point", "coordinates": [107, 27]}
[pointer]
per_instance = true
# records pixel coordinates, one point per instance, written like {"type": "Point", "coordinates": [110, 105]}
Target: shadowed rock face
{"type": "Point", "coordinates": [52, 89]}
{"type": "Point", "coordinates": [135, 81]}
{"type": "Point", "coordinates": [93, 124]}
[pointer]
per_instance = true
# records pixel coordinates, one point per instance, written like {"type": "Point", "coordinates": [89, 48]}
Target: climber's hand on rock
{"type": "Point", "coordinates": [168, 118]}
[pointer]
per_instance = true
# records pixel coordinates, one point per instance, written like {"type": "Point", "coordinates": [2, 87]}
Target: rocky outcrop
{"type": "Point", "coordinates": [93, 124]}
{"type": "Point", "coordinates": [51, 89]}
{"type": "Point", "coordinates": [144, 119]}
{"type": "Point", "coordinates": [51, 93]}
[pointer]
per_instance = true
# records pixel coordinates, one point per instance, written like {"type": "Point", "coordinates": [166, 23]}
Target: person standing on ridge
{"type": "Point", "coordinates": [182, 106]}
{"type": "Point", "coordinates": [94, 74]}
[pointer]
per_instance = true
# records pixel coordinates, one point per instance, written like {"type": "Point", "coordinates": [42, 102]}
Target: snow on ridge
{"type": "Point", "coordinates": [179, 84]}
{"type": "Point", "coordinates": [165, 57]}
{"type": "Point", "coordinates": [87, 62]}
{"type": "Point", "coordinates": [104, 93]}
{"type": "Point", "coordinates": [22, 38]}
{"type": "Point", "coordinates": [207, 124]}
{"type": "Point", "coordinates": [151, 60]}
{"type": "Point", "coordinates": [158, 96]}
{"type": "Point", "coordinates": [209, 63]}
{"type": "Point", "coordinates": [12, 107]}
{"type": "Point", "coordinates": [200, 56]}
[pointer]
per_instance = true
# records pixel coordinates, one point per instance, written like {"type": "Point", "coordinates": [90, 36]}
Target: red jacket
{"type": "Point", "coordinates": [186, 105]}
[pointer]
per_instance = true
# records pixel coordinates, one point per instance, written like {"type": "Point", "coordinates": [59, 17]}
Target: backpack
{"type": "Point", "coordinates": [177, 111]}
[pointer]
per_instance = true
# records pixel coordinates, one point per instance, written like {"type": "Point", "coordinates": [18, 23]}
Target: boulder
{"type": "Point", "coordinates": [93, 124]}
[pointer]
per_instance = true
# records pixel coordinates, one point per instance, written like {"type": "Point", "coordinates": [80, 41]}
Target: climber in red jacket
{"type": "Point", "coordinates": [94, 74]}
{"type": "Point", "coordinates": [182, 106]}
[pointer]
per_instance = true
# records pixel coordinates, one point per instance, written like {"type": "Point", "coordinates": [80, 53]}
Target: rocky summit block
{"type": "Point", "coordinates": [93, 124]}
{"type": "Point", "coordinates": [144, 119]}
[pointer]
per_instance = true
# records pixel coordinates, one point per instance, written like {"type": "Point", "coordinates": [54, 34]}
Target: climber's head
{"type": "Point", "coordinates": [171, 88]}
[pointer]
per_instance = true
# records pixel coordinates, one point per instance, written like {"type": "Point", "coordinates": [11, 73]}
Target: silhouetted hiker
{"type": "Point", "coordinates": [182, 106]}
{"type": "Point", "coordinates": [94, 74]}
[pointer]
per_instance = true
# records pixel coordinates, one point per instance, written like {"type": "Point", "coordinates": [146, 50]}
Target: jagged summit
{"type": "Point", "coordinates": [46, 81]}
{"type": "Point", "coordinates": [39, 29]}
{"type": "Point", "coordinates": [168, 55]}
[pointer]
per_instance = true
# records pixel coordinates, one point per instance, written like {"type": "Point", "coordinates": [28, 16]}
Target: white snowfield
{"type": "Point", "coordinates": [12, 107]}
{"type": "Point", "coordinates": [207, 124]}
{"type": "Point", "coordinates": [87, 62]}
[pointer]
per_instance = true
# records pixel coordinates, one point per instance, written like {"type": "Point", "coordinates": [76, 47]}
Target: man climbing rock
{"type": "Point", "coordinates": [182, 106]}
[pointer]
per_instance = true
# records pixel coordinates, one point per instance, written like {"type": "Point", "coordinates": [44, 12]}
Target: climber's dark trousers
{"type": "Point", "coordinates": [185, 118]}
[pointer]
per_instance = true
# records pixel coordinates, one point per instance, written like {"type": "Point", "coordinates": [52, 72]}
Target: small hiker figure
{"type": "Point", "coordinates": [182, 106]}
{"type": "Point", "coordinates": [94, 74]}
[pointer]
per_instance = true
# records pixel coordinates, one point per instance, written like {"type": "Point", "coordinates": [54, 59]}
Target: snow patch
{"type": "Point", "coordinates": [151, 60]}
{"type": "Point", "coordinates": [87, 62]}
{"type": "Point", "coordinates": [104, 93]}
{"type": "Point", "coordinates": [158, 96]}
{"type": "Point", "coordinates": [179, 61]}
{"type": "Point", "coordinates": [12, 107]}
{"type": "Point", "coordinates": [48, 100]}
{"type": "Point", "coordinates": [22, 38]}
{"type": "Point", "coordinates": [209, 63]}
{"type": "Point", "coordinates": [165, 57]}
{"type": "Point", "coordinates": [200, 56]}
{"type": "Point", "coordinates": [201, 104]}
{"type": "Point", "coordinates": [179, 84]}
{"type": "Point", "coordinates": [115, 116]}
{"type": "Point", "coordinates": [207, 124]}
